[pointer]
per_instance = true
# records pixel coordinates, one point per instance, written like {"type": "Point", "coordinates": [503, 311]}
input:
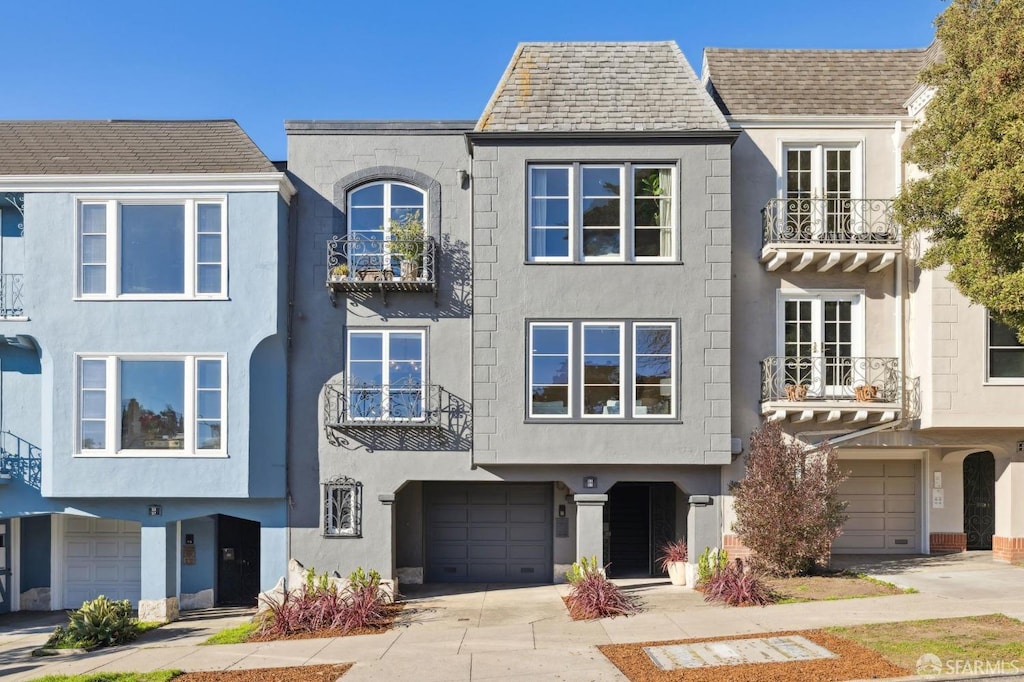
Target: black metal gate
{"type": "Point", "coordinates": [980, 499]}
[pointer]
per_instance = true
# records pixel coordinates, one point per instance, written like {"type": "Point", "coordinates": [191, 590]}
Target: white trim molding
{"type": "Point", "coordinates": [164, 182]}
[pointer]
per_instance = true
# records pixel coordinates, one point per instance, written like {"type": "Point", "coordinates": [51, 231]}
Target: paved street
{"type": "Point", "coordinates": [483, 632]}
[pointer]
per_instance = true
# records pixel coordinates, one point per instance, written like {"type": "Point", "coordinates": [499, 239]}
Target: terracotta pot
{"type": "Point", "coordinates": [677, 572]}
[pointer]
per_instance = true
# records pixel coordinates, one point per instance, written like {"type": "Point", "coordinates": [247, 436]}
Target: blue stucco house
{"type": "Point", "coordinates": [143, 334]}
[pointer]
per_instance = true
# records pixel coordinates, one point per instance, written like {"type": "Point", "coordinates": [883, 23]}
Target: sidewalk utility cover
{"type": "Point", "coordinates": [736, 652]}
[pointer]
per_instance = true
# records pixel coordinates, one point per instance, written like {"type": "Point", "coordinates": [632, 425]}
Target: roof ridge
{"type": "Point", "coordinates": [830, 50]}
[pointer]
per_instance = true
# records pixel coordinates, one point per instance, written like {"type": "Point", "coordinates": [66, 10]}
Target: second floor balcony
{"type": "Point", "coordinates": [12, 304]}
{"type": "Point", "coordinates": [357, 264]}
{"type": "Point", "coordinates": [407, 405]}
{"type": "Point", "coordinates": [829, 234]}
{"type": "Point", "coordinates": [853, 390]}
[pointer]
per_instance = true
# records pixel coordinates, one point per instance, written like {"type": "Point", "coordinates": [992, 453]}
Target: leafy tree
{"type": "Point", "coordinates": [971, 205]}
{"type": "Point", "coordinates": [787, 505]}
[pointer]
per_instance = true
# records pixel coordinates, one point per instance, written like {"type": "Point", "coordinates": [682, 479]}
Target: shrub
{"type": "Point", "coordinates": [592, 595]}
{"type": "Point", "coordinates": [98, 623]}
{"type": "Point", "coordinates": [320, 605]}
{"type": "Point", "coordinates": [736, 585]}
{"type": "Point", "coordinates": [710, 562]}
{"type": "Point", "coordinates": [672, 551]}
{"type": "Point", "coordinates": [787, 506]}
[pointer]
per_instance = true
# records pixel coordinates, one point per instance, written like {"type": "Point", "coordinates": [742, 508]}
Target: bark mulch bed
{"type": "Point", "coordinates": [854, 662]}
{"type": "Point", "coordinates": [306, 673]}
{"type": "Point", "coordinates": [392, 611]}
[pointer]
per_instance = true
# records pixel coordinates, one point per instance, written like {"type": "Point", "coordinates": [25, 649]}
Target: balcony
{"type": "Point", "coordinates": [12, 306]}
{"type": "Point", "coordinates": [414, 406]}
{"type": "Point", "coordinates": [19, 461]}
{"type": "Point", "coordinates": [356, 264]}
{"type": "Point", "coordinates": [851, 390]}
{"type": "Point", "coordinates": [829, 234]}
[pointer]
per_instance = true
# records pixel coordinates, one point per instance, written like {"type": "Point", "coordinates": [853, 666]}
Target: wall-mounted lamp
{"type": "Point", "coordinates": [156, 510]}
{"type": "Point", "coordinates": [701, 500]}
{"type": "Point", "coordinates": [561, 511]}
{"type": "Point", "coordinates": [463, 176]}
{"type": "Point", "coordinates": [590, 482]}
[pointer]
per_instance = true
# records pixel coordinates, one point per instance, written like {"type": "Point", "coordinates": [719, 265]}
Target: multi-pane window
{"type": "Point", "coordinates": [385, 376]}
{"type": "Point", "coordinates": [601, 212]}
{"type": "Point", "coordinates": [602, 370]}
{"type": "Point", "coordinates": [820, 182]}
{"type": "Point", "coordinates": [151, 404]}
{"type": "Point", "coordinates": [152, 248]}
{"type": "Point", "coordinates": [343, 508]}
{"type": "Point", "coordinates": [1005, 353]}
{"type": "Point", "coordinates": [385, 220]}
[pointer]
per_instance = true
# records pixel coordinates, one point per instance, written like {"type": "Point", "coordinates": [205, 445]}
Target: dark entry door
{"type": "Point", "coordinates": [980, 499]}
{"type": "Point", "coordinates": [640, 518]}
{"type": "Point", "coordinates": [238, 561]}
{"type": "Point", "coordinates": [5, 565]}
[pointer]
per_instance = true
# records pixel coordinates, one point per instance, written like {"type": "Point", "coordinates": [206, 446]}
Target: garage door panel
{"type": "Point", "coordinates": [77, 549]}
{"type": "Point", "coordinates": [883, 506]}
{"type": "Point", "coordinates": [488, 514]}
{"type": "Point", "coordinates": [449, 515]}
{"type": "Point", "coordinates": [108, 573]}
{"type": "Point", "coordinates": [536, 514]}
{"type": "Point", "coordinates": [488, 552]}
{"type": "Point", "coordinates": [865, 523]}
{"type": "Point", "coordinates": [901, 505]}
{"type": "Point", "coordinates": [506, 533]}
{"type": "Point", "coordinates": [488, 533]}
{"type": "Point", "coordinates": [112, 526]}
{"type": "Point", "coordinates": [107, 549]}
{"type": "Point", "coordinates": [132, 550]}
{"type": "Point", "coordinates": [901, 523]}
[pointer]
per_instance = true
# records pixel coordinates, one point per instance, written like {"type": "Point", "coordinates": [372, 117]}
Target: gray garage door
{"type": "Point", "coordinates": [883, 506]}
{"type": "Point", "coordinates": [488, 532]}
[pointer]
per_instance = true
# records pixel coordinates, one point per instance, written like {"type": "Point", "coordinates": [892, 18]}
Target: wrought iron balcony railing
{"type": "Point", "coordinates": [829, 221]}
{"type": "Point", "coordinates": [11, 301]}
{"type": "Point", "coordinates": [797, 378]}
{"type": "Point", "coordinates": [397, 405]}
{"type": "Point", "coordinates": [356, 263]}
{"type": "Point", "coordinates": [20, 460]}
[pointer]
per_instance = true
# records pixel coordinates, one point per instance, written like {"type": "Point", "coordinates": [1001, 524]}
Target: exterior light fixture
{"type": "Point", "coordinates": [590, 482]}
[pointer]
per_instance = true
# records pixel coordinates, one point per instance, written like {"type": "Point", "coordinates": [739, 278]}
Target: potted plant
{"type": "Point", "coordinates": [339, 273]}
{"type": "Point", "coordinates": [796, 391]}
{"type": "Point", "coordinates": [673, 560]}
{"type": "Point", "coordinates": [407, 242]}
{"type": "Point", "coordinates": [865, 392]}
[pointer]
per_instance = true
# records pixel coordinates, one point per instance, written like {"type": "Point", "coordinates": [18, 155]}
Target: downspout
{"type": "Point", "coordinates": [293, 218]}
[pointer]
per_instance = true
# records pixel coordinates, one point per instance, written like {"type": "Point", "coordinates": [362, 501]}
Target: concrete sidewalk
{"type": "Point", "coordinates": [496, 632]}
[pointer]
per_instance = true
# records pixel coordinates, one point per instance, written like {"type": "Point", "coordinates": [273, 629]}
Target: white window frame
{"type": "Point", "coordinates": [385, 361]}
{"type": "Point", "coordinates": [989, 379]}
{"type": "Point", "coordinates": [331, 527]}
{"type": "Point", "coordinates": [627, 368]}
{"type": "Point", "coordinates": [387, 184]}
{"type": "Point", "coordinates": [583, 369]}
{"type": "Point", "coordinates": [570, 394]}
{"type": "Point", "coordinates": [112, 397]}
{"type": "Point", "coordinates": [818, 149]}
{"type": "Point", "coordinates": [626, 213]}
{"type": "Point", "coordinates": [674, 379]}
{"type": "Point", "coordinates": [113, 205]}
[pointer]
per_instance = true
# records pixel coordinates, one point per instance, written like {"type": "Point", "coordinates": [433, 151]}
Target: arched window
{"type": "Point", "coordinates": [377, 211]}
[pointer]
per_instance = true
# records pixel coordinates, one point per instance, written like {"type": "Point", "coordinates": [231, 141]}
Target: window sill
{"type": "Point", "coordinates": [339, 536]}
{"type": "Point", "coordinates": [157, 454]}
{"type": "Point", "coordinates": [1015, 381]}
{"type": "Point", "coordinates": [663, 261]}
{"type": "Point", "coordinates": [152, 297]}
{"type": "Point", "coordinates": [576, 420]}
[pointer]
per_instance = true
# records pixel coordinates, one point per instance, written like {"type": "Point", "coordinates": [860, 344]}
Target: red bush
{"type": "Point", "coordinates": [594, 596]}
{"type": "Point", "coordinates": [735, 585]}
{"type": "Point", "coordinates": [320, 605]}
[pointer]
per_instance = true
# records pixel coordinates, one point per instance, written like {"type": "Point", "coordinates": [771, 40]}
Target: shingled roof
{"type": "Point", "coordinates": [813, 82]}
{"type": "Point", "coordinates": [127, 147]}
{"type": "Point", "coordinates": [599, 87]}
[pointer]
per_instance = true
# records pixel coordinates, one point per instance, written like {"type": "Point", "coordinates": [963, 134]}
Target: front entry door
{"type": "Point", "coordinates": [980, 499]}
{"type": "Point", "coordinates": [238, 561]}
{"type": "Point", "coordinates": [820, 342]}
{"type": "Point", "coordinates": [5, 565]}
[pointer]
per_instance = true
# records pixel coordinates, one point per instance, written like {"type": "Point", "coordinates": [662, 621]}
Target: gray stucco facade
{"type": "Point", "coordinates": [495, 493]}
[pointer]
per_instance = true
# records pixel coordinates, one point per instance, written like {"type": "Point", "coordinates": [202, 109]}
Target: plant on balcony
{"type": "Point", "coordinates": [408, 239]}
{"type": "Point", "coordinates": [865, 393]}
{"type": "Point", "coordinates": [788, 508]}
{"type": "Point", "coordinates": [339, 273]}
{"type": "Point", "coordinates": [796, 391]}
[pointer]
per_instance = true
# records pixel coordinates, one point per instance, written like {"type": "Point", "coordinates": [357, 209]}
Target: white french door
{"type": "Point", "coordinates": [819, 185]}
{"type": "Point", "coordinates": [821, 339]}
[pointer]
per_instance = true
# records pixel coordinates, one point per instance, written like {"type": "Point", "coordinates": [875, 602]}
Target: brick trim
{"type": "Point", "coordinates": [735, 548]}
{"type": "Point", "coordinates": [947, 543]}
{"type": "Point", "coordinates": [1007, 549]}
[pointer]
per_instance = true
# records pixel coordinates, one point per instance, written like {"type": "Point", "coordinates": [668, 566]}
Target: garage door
{"type": "Point", "coordinates": [101, 556]}
{"type": "Point", "coordinates": [488, 532]}
{"type": "Point", "coordinates": [884, 508]}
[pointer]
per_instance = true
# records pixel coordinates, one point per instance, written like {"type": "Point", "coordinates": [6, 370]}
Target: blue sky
{"type": "Point", "coordinates": [264, 61]}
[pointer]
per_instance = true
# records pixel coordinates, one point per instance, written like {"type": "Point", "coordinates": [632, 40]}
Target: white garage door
{"type": "Point", "coordinates": [884, 507]}
{"type": "Point", "coordinates": [101, 556]}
